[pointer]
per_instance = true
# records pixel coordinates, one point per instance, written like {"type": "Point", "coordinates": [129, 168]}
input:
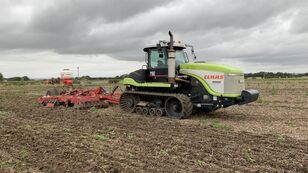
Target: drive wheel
{"type": "Point", "coordinates": [178, 107]}
{"type": "Point", "coordinates": [128, 102]}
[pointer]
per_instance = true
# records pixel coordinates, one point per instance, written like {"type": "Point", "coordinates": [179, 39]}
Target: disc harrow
{"type": "Point", "coordinates": [81, 98]}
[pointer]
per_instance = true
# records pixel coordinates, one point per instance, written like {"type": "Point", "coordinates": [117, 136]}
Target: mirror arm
{"type": "Point", "coordinates": [192, 50]}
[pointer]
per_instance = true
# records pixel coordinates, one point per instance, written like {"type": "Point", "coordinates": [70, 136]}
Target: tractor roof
{"type": "Point", "coordinates": [176, 44]}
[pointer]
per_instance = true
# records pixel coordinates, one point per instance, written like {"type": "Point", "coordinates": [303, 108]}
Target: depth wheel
{"type": "Point", "coordinates": [128, 102]}
{"type": "Point", "coordinates": [178, 106]}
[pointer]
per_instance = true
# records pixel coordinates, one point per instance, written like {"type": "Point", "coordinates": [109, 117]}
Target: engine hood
{"type": "Point", "coordinates": [211, 67]}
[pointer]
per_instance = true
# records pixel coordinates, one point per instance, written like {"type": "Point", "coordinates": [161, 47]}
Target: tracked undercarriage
{"type": "Point", "coordinates": [156, 104]}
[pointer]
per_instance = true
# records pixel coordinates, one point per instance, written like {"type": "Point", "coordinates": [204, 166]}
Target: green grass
{"type": "Point", "coordinates": [23, 153]}
{"type": "Point", "coordinates": [128, 135]}
{"type": "Point", "coordinates": [110, 134]}
{"type": "Point", "coordinates": [5, 164]}
{"type": "Point", "coordinates": [99, 137]}
{"type": "Point", "coordinates": [110, 129]}
{"type": "Point", "coordinates": [281, 140]}
{"type": "Point", "coordinates": [163, 152]}
{"type": "Point", "coordinates": [92, 109]}
{"type": "Point", "coordinates": [290, 123]}
{"type": "Point", "coordinates": [5, 113]}
{"type": "Point", "coordinates": [67, 130]}
{"type": "Point", "coordinates": [248, 156]}
{"type": "Point", "coordinates": [200, 163]}
{"type": "Point", "coordinates": [215, 124]}
{"type": "Point", "coordinates": [273, 91]}
{"type": "Point", "coordinates": [260, 100]}
{"type": "Point", "coordinates": [131, 156]}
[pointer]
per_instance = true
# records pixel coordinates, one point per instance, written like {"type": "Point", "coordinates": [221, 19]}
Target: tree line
{"type": "Point", "coordinates": [103, 78]}
{"type": "Point", "coordinates": [24, 78]}
{"type": "Point", "coordinates": [275, 75]}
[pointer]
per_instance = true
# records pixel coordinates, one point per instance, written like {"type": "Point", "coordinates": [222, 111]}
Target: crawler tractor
{"type": "Point", "coordinates": [171, 85]}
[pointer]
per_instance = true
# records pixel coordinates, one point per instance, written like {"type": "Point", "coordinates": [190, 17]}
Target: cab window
{"type": "Point", "coordinates": [156, 61]}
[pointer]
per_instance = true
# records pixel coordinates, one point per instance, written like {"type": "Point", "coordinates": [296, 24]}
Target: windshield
{"type": "Point", "coordinates": [155, 61]}
{"type": "Point", "coordinates": [181, 57]}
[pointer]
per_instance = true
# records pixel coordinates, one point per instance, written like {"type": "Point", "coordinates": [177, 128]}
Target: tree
{"type": "Point", "coordinates": [86, 77]}
{"type": "Point", "coordinates": [25, 78]}
{"type": "Point", "coordinates": [1, 77]}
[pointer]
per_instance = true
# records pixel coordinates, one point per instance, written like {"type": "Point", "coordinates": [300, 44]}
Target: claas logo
{"type": "Point", "coordinates": [213, 76]}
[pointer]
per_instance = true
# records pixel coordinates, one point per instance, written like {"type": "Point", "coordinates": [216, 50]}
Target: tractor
{"type": "Point", "coordinates": [173, 85]}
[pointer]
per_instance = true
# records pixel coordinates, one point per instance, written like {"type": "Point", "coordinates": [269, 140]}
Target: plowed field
{"type": "Point", "coordinates": [270, 135]}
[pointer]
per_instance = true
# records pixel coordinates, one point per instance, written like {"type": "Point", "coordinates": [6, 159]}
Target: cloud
{"type": "Point", "coordinates": [257, 31]}
{"type": "Point", "coordinates": [299, 23]}
{"type": "Point", "coordinates": [49, 64]}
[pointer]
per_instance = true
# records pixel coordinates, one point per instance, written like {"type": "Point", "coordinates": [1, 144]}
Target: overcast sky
{"type": "Point", "coordinates": [106, 38]}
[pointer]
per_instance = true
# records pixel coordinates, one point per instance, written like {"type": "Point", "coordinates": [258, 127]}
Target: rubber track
{"type": "Point", "coordinates": [187, 105]}
{"type": "Point", "coordinates": [185, 100]}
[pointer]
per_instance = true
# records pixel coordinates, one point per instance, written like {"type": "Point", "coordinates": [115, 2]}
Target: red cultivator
{"type": "Point", "coordinates": [80, 98]}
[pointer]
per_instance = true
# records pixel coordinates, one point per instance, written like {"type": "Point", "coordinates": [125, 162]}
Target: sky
{"type": "Point", "coordinates": [105, 37]}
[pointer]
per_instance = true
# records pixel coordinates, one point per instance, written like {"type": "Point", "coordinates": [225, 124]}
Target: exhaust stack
{"type": "Point", "coordinates": [171, 61]}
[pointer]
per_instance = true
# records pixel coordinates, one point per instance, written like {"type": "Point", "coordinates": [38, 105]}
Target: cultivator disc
{"type": "Point", "coordinates": [89, 105]}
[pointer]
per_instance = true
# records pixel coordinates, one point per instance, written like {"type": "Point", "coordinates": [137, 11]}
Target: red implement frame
{"type": "Point", "coordinates": [82, 99]}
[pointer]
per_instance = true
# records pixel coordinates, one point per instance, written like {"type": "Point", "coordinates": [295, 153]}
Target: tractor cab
{"type": "Point", "coordinates": [156, 57]}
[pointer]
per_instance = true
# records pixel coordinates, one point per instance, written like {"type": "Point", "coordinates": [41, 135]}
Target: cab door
{"type": "Point", "coordinates": [157, 66]}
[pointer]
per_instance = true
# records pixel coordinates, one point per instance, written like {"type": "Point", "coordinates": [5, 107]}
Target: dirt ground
{"type": "Point", "coordinates": [270, 135]}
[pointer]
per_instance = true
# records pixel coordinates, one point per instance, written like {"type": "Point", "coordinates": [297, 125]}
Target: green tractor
{"type": "Point", "coordinates": [171, 85]}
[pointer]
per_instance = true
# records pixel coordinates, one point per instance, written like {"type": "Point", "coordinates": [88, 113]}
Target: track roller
{"type": "Point", "coordinates": [139, 110]}
{"type": "Point", "coordinates": [160, 112]}
{"type": "Point", "coordinates": [145, 110]}
{"type": "Point", "coordinates": [152, 111]}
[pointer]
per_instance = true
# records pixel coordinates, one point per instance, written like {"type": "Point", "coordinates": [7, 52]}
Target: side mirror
{"type": "Point", "coordinates": [186, 57]}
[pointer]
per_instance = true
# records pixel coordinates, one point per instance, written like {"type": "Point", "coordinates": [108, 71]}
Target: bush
{"type": "Point", "coordinates": [86, 77]}
{"type": "Point", "coordinates": [14, 79]}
